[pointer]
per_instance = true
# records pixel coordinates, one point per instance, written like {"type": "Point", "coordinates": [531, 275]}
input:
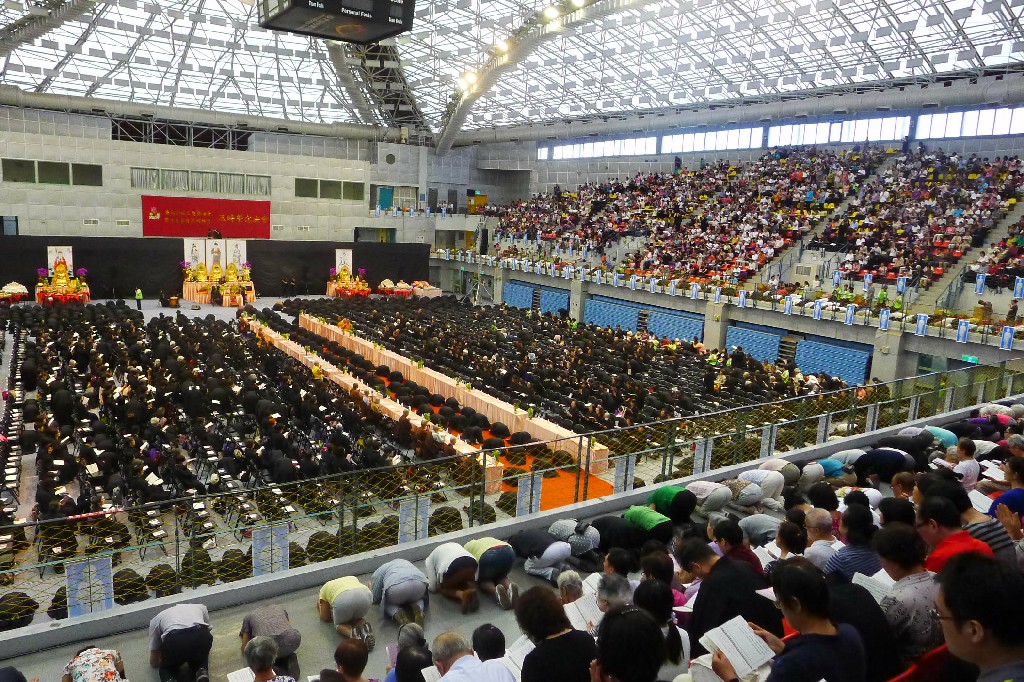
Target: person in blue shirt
{"type": "Point", "coordinates": [1014, 497]}
{"type": "Point", "coordinates": [822, 649]}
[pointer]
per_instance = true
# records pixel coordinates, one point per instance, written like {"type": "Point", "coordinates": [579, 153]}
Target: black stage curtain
{"type": "Point", "coordinates": [117, 265]}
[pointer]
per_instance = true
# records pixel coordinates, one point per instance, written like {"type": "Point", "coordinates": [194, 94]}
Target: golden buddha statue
{"type": "Point", "coordinates": [60, 273]}
{"type": "Point", "coordinates": [232, 272]}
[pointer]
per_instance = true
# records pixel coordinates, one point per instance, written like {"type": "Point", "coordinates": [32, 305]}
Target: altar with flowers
{"type": "Point", "coordinates": [63, 286]}
{"type": "Point", "coordinates": [341, 284]}
{"type": "Point", "coordinates": [230, 286]}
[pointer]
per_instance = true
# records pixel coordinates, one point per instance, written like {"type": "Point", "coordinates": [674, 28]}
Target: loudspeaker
{"type": "Point", "coordinates": [196, 306]}
{"type": "Point", "coordinates": [484, 239]}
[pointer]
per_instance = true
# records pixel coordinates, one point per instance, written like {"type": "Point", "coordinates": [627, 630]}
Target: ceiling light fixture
{"type": "Point", "coordinates": [501, 46]}
{"type": "Point", "coordinates": [551, 12]}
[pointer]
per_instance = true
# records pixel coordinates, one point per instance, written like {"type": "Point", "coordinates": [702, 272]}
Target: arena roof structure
{"type": "Point", "coordinates": [480, 64]}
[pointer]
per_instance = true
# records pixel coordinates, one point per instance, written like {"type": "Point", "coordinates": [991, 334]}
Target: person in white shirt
{"type": "Point", "coordinates": [451, 570]}
{"type": "Point", "coordinates": [967, 466]}
{"type": "Point", "coordinates": [454, 659]}
{"type": "Point", "coordinates": [820, 540]}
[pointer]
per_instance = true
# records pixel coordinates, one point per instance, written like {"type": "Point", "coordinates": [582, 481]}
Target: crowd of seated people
{"type": "Point", "coordinates": [721, 220]}
{"type": "Point", "coordinates": [854, 585]}
{"type": "Point", "coordinates": [728, 222]}
{"type": "Point", "coordinates": [583, 377]}
{"type": "Point", "coordinates": [923, 214]}
{"type": "Point", "coordinates": [125, 415]}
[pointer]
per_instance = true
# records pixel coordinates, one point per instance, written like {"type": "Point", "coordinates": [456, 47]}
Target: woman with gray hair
{"type": "Point", "coordinates": [260, 654]}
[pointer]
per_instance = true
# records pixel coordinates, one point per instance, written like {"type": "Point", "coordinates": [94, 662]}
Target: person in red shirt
{"type": "Point", "coordinates": [938, 523]}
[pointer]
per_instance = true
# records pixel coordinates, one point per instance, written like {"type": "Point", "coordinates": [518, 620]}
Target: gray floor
{"type": "Point", "coordinates": [318, 639]}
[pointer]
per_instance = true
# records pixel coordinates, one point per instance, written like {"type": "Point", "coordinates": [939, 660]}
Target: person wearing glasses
{"type": "Point", "coordinates": [909, 606]}
{"type": "Point", "coordinates": [938, 523]}
{"type": "Point", "coordinates": [982, 626]}
{"type": "Point", "coordinates": [822, 649]}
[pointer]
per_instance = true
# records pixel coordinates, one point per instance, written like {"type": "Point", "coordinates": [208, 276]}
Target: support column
{"type": "Point", "coordinates": [890, 361]}
{"type": "Point", "coordinates": [716, 324]}
{"type": "Point", "coordinates": [499, 284]}
{"type": "Point", "coordinates": [576, 298]}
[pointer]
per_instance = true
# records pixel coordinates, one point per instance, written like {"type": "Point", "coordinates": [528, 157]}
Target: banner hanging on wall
{"type": "Point", "coordinates": [195, 217]}
{"type": "Point", "coordinates": [55, 254]}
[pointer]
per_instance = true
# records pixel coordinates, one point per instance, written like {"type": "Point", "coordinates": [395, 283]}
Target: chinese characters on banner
{"type": "Point", "coordinates": [195, 217]}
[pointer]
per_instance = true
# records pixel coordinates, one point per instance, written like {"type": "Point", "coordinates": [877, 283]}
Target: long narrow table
{"type": "Point", "coordinates": [493, 469]}
{"type": "Point", "coordinates": [517, 419]}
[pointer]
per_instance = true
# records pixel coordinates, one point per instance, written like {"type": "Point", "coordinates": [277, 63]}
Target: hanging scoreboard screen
{"type": "Point", "coordinates": [351, 21]}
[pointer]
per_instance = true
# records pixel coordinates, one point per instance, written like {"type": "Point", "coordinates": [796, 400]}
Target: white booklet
{"type": "Point", "coordinates": [516, 654]}
{"type": "Point", "coordinates": [584, 613]}
{"type": "Point", "coordinates": [242, 675]}
{"type": "Point", "coordinates": [980, 501]}
{"type": "Point", "coordinates": [878, 589]}
{"type": "Point", "coordinates": [590, 584]}
{"type": "Point", "coordinates": [431, 674]}
{"type": "Point", "coordinates": [744, 649]}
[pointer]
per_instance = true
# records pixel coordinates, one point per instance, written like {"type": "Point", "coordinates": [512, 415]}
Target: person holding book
{"type": "Point", "coordinates": [820, 539]}
{"type": "Point", "coordinates": [561, 653]}
{"type": "Point", "coordinates": [966, 465]}
{"type": "Point", "coordinates": [821, 649]}
{"type": "Point", "coordinates": [910, 605]}
{"type": "Point", "coordinates": [1014, 497]}
{"type": "Point", "coordinates": [728, 589]}
{"type": "Point", "coordinates": [260, 653]}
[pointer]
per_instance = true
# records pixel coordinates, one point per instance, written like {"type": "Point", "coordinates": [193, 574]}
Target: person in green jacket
{"type": "Point", "coordinates": [674, 501]}
{"type": "Point", "coordinates": [657, 526]}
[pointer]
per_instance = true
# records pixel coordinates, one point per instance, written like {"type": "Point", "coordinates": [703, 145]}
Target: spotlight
{"type": "Point", "coordinates": [461, 82]}
{"type": "Point", "coordinates": [501, 46]}
{"type": "Point", "coordinates": [578, 3]}
{"type": "Point", "coordinates": [551, 12]}
{"type": "Point", "coordinates": [470, 77]}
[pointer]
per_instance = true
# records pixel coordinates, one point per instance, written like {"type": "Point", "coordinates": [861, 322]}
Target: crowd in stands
{"type": "Point", "coordinates": [719, 221]}
{"type": "Point", "coordinates": [582, 377]}
{"type": "Point", "coordinates": [924, 212]}
{"type": "Point", "coordinates": [839, 581]}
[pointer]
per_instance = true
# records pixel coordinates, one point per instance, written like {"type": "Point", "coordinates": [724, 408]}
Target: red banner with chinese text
{"type": "Point", "coordinates": [194, 217]}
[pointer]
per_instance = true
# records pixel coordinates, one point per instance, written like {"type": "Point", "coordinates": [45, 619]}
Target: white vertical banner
{"type": "Point", "coordinates": [235, 253]}
{"type": "Point", "coordinates": [624, 468]}
{"type": "Point", "coordinates": [194, 251]}
{"type": "Point", "coordinates": [528, 494]}
{"type": "Point", "coordinates": [413, 517]}
{"type": "Point", "coordinates": [343, 259]}
{"type": "Point", "coordinates": [788, 306]}
{"type": "Point", "coordinates": [215, 257]}
{"type": "Point", "coordinates": [60, 254]}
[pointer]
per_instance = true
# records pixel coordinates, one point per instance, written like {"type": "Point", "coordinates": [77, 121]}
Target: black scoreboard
{"type": "Point", "coordinates": [351, 21]}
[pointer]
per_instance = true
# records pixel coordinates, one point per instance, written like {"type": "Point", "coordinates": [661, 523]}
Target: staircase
{"type": "Point", "coordinates": [535, 300]}
{"type": "Point", "coordinates": [787, 347]}
{"type": "Point", "coordinates": [642, 319]}
{"type": "Point", "coordinates": [787, 275]}
{"type": "Point", "coordinates": [928, 299]}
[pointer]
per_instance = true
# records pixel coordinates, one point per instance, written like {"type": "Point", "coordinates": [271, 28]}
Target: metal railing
{"type": "Point", "coordinates": [121, 556]}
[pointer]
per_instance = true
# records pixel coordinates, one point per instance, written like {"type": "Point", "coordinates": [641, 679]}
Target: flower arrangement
{"type": "Point", "coordinates": [247, 265]}
{"type": "Point", "coordinates": [334, 272]}
{"type": "Point", "coordinates": [42, 272]}
{"type": "Point", "coordinates": [362, 272]}
{"type": "Point", "coordinates": [81, 272]}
